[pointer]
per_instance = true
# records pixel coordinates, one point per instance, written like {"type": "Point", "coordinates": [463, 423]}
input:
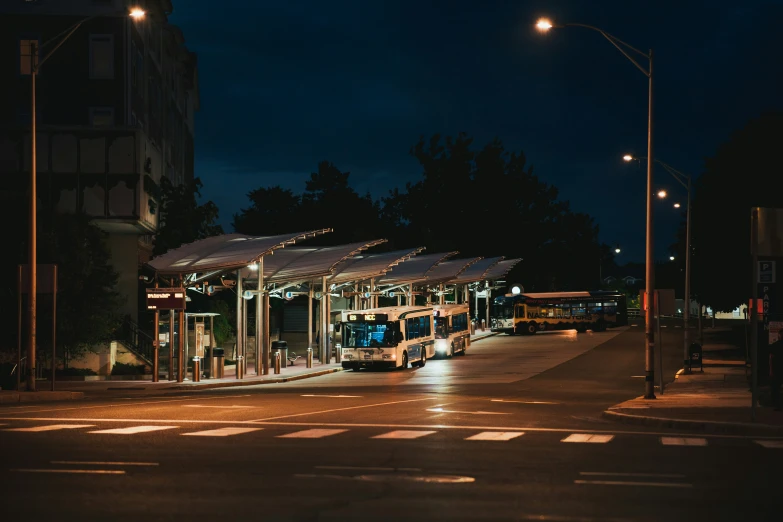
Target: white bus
{"type": "Point", "coordinates": [390, 337]}
{"type": "Point", "coordinates": [452, 329]}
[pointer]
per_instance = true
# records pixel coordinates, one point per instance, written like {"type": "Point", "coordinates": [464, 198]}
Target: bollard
{"type": "Point", "coordinates": [473, 327]}
{"type": "Point", "coordinates": [196, 369]}
{"type": "Point", "coordinates": [309, 357]}
{"type": "Point", "coordinates": [240, 367]}
{"type": "Point", "coordinates": [483, 324]}
{"type": "Point", "coordinates": [277, 362]}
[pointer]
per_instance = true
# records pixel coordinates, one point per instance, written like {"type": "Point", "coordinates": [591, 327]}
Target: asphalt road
{"type": "Point", "coordinates": [511, 431]}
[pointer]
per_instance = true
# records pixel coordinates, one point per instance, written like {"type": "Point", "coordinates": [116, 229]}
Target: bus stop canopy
{"type": "Point", "coordinates": [415, 270]}
{"type": "Point", "coordinates": [500, 270]}
{"type": "Point", "coordinates": [361, 268]}
{"type": "Point", "coordinates": [223, 253]}
{"type": "Point", "coordinates": [476, 271]}
{"type": "Point", "coordinates": [446, 271]}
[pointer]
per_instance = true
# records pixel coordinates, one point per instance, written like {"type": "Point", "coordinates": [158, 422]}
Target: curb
{"type": "Point", "coordinates": [41, 396]}
{"type": "Point", "coordinates": [238, 383]}
{"type": "Point", "coordinates": [484, 337]}
{"type": "Point", "coordinates": [741, 428]}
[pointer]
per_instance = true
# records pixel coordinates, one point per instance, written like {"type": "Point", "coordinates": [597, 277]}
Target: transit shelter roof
{"type": "Point", "coordinates": [448, 270]}
{"type": "Point", "coordinates": [414, 270]}
{"type": "Point", "coordinates": [475, 272]}
{"type": "Point", "coordinates": [224, 252]}
{"type": "Point", "coordinates": [499, 270]}
{"type": "Point", "coordinates": [363, 267]}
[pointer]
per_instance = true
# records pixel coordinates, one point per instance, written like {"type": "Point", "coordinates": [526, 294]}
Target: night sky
{"type": "Point", "coordinates": [285, 84]}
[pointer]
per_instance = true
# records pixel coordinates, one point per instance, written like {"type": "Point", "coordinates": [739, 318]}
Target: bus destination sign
{"type": "Point", "coordinates": [165, 298]}
{"type": "Point", "coordinates": [370, 318]}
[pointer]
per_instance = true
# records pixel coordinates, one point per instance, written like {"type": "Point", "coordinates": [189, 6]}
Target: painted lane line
{"type": "Point", "coordinates": [441, 410]}
{"type": "Point", "coordinates": [332, 396]}
{"type": "Point", "coordinates": [310, 434]}
{"type": "Point", "coordinates": [343, 409]}
{"type": "Point", "coordinates": [52, 427]}
{"type": "Point", "coordinates": [613, 474]}
{"type": "Point", "coordinates": [630, 483]}
{"type": "Point", "coordinates": [98, 463]}
{"type": "Point", "coordinates": [770, 444]}
{"type": "Point", "coordinates": [496, 435]}
{"type": "Point", "coordinates": [75, 471]}
{"type": "Point", "coordinates": [134, 429]}
{"type": "Point", "coordinates": [683, 441]}
{"type": "Point", "coordinates": [365, 468]}
{"type": "Point", "coordinates": [588, 438]}
{"type": "Point", "coordinates": [524, 402]}
{"type": "Point", "coordinates": [403, 434]}
{"type": "Point", "coordinates": [210, 406]}
{"type": "Point", "coordinates": [221, 432]}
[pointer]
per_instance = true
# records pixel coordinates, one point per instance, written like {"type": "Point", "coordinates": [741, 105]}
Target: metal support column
{"type": "Point", "coordinates": [411, 297]}
{"type": "Point", "coordinates": [323, 333]}
{"type": "Point", "coordinates": [265, 335]}
{"type": "Point", "coordinates": [187, 344]}
{"type": "Point", "coordinates": [310, 314]}
{"type": "Point", "coordinates": [487, 299]}
{"type": "Point", "coordinates": [212, 342]}
{"type": "Point", "coordinates": [171, 344]}
{"type": "Point", "coordinates": [245, 304]}
{"type": "Point", "coordinates": [260, 315]}
{"type": "Point", "coordinates": [181, 348]}
{"type": "Point", "coordinates": [156, 343]}
{"type": "Point", "coordinates": [442, 296]}
{"type": "Point", "coordinates": [240, 326]}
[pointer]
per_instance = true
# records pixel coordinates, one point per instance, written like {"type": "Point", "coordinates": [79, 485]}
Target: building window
{"type": "Point", "coordinates": [101, 56]}
{"type": "Point", "coordinates": [101, 116]}
{"type": "Point", "coordinates": [26, 56]}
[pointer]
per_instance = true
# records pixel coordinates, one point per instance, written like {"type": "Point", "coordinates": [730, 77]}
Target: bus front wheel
{"type": "Point", "coordinates": [532, 328]}
{"type": "Point", "coordinates": [423, 359]}
{"type": "Point", "coordinates": [404, 360]}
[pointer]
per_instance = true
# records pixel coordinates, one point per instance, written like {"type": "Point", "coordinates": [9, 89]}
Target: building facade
{"type": "Point", "coordinates": [115, 107]}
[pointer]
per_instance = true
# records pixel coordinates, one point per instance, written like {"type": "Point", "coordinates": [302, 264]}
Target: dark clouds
{"type": "Point", "coordinates": [286, 84]}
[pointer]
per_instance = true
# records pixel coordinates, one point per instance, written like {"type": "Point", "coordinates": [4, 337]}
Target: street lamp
{"type": "Point", "coordinates": [35, 65]}
{"type": "Point", "coordinates": [617, 250]}
{"type": "Point", "coordinates": [685, 181]}
{"type": "Point", "coordinates": [545, 25]}
{"type": "Point", "coordinates": [671, 258]}
{"type": "Point", "coordinates": [662, 194]}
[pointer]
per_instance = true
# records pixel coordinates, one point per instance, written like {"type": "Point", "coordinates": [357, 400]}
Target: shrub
{"type": "Point", "coordinates": [78, 372]}
{"type": "Point", "coordinates": [128, 369]}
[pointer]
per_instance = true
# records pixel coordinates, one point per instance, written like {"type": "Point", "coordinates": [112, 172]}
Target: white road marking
{"type": "Point", "coordinates": [613, 474]}
{"type": "Point", "coordinates": [441, 410]}
{"type": "Point", "coordinates": [210, 406]}
{"type": "Point", "coordinates": [76, 471]}
{"type": "Point", "coordinates": [134, 429]}
{"type": "Point", "coordinates": [637, 376]}
{"type": "Point", "coordinates": [96, 463]}
{"type": "Point", "coordinates": [683, 441]}
{"type": "Point", "coordinates": [221, 432]}
{"type": "Point", "coordinates": [332, 396]}
{"type": "Point", "coordinates": [630, 483]}
{"type": "Point", "coordinates": [524, 402]}
{"type": "Point", "coordinates": [109, 405]}
{"type": "Point", "coordinates": [52, 427]}
{"type": "Point", "coordinates": [369, 468]}
{"type": "Point", "coordinates": [343, 409]}
{"type": "Point", "coordinates": [587, 437]}
{"type": "Point", "coordinates": [310, 434]}
{"type": "Point", "coordinates": [771, 444]}
{"type": "Point", "coordinates": [403, 434]}
{"type": "Point", "coordinates": [496, 435]}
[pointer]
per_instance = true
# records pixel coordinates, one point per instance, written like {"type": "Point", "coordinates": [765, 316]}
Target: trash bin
{"type": "Point", "coordinates": [217, 363]}
{"type": "Point", "coordinates": [694, 356]}
{"type": "Point", "coordinates": [282, 346]}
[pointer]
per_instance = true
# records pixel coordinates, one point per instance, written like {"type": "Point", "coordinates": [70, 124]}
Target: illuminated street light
{"type": "Point", "coordinates": [137, 13]}
{"type": "Point", "coordinates": [662, 194]}
{"type": "Point", "coordinates": [628, 157]}
{"type": "Point", "coordinates": [617, 250]}
{"type": "Point", "coordinates": [676, 205]}
{"type": "Point", "coordinates": [671, 258]}
{"type": "Point", "coordinates": [544, 25]}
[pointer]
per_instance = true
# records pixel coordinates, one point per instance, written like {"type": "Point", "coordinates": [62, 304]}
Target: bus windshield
{"type": "Point", "coordinates": [441, 328]}
{"type": "Point", "coordinates": [364, 334]}
{"type": "Point", "coordinates": [504, 311]}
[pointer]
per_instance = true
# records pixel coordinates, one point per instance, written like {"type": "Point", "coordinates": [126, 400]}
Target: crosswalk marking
{"type": "Point", "coordinates": [52, 427]}
{"type": "Point", "coordinates": [496, 435]}
{"type": "Point", "coordinates": [221, 432]}
{"type": "Point", "coordinates": [683, 441]}
{"type": "Point", "coordinates": [310, 434]}
{"type": "Point", "coordinates": [134, 429]}
{"type": "Point", "coordinates": [586, 437]}
{"type": "Point", "coordinates": [770, 444]}
{"type": "Point", "coordinates": [403, 434]}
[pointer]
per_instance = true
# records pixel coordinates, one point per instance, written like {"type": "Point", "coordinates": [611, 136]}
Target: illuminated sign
{"type": "Point", "coordinates": [371, 318]}
{"type": "Point", "coordinates": [165, 298]}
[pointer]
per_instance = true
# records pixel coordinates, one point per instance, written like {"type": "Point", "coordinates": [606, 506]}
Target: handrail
{"type": "Point", "coordinates": [137, 340]}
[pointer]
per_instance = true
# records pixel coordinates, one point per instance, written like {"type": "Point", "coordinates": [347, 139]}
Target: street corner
{"type": "Point", "coordinates": [39, 396]}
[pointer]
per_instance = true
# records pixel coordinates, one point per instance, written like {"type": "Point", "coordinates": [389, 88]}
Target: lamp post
{"type": "Point", "coordinates": [35, 65]}
{"type": "Point", "coordinates": [649, 329]}
{"type": "Point", "coordinates": [685, 181]}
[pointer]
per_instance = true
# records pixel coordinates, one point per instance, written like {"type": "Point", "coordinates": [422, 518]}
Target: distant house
{"type": "Point", "coordinates": [628, 280]}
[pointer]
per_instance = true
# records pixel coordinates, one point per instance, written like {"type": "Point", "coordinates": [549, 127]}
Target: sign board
{"type": "Point", "coordinates": [370, 318]}
{"type": "Point", "coordinates": [666, 303]}
{"type": "Point", "coordinates": [766, 272]}
{"type": "Point", "coordinates": [166, 299]}
{"type": "Point", "coordinates": [770, 232]}
{"type": "Point", "coordinates": [44, 279]}
{"type": "Point", "coordinates": [200, 339]}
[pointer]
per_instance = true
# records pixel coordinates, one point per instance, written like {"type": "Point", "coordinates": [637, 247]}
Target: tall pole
{"type": "Point", "coordinates": [754, 316]}
{"type": "Point", "coordinates": [265, 334]}
{"type": "Point", "coordinates": [649, 322]}
{"type": "Point", "coordinates": [33, 258]}
{"type": "Point", "coordinates": [171, 344]}
{"type": "Point", "coordinates": [54, 322]}
{"type": "Point", "coordinates": [181, 368]}
{"type": "Point", "coordinates": [323, 356]}
{"type": "Point", "coordinates": [19, 329]}
{"type": "Point", "coordinates": [686, 316]}
{"type": "Point", "coordinates": [240, 326]}
{"type": "Point", "coordinates": [156, 342]}
{"type": "Point", "coordinates": [260, 317]}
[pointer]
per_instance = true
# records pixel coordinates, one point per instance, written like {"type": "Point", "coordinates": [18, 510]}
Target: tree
{"type": "Point", "coordinates": [273, 211]}
{"type": "Point", "coordinates": [738, 177]}
{"type": "Point", "coordinates": [182, 219]}
{"type": "Point", "coordinates": [87, 302]}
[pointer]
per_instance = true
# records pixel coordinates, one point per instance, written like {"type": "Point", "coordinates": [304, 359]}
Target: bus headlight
{"type": "Point", "coordinates": [441, 345]}
{"type": "Point", "coordinates": [390, 356]}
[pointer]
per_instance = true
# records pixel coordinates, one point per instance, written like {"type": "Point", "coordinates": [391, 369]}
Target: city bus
{"type": "Point", "coordinates": [528, 313]}
{"type": "Point", "coordinates": [389, 337]}
{"type": "Point", "coordinates": [452, 329]}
